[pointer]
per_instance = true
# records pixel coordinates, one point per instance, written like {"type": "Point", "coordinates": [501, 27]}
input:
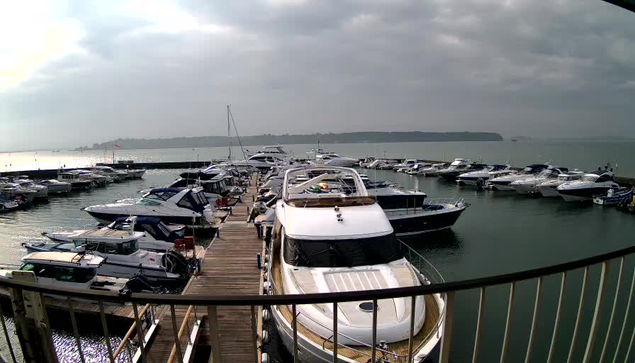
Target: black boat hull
{"type": "Point", "coordinates": [409, 225]}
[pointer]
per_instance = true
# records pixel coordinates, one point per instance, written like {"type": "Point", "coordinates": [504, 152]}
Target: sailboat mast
{"type": "Point", "coordinates": [229, 143]}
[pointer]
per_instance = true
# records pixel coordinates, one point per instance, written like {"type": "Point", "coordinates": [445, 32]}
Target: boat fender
{"type": "Point", "coordinates": [266, 315]}
{"type": "Point", "coordinates": [265, 337]}
{"type": "Point", "coordinates": [266, 286]}
{"type": "Point", "coordinates": [265, 358]}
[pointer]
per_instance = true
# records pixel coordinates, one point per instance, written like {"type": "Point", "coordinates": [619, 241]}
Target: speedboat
{"type": "Point", "coordinates": [590, 185]}
{"type": "Point", "coordinates": [152, 234]}
{"type": "Point", "coordinates": [77, 271]}
{"type": "Point", "coordinates": [549, 187]}
{"type": "Point", "coordinates": [458, 167]}
{"type": "Point", "coordinates": [134, 173]}
{"type": "Point", "coordinates": [116, 175]}
{"type": "Point", "coordinates": [122, 256]}
{"type": "Point", "coordinates": [56, 187]}
{"type": "Point", "coordinates": [8, 205]}
{"type": "Point", "coordinates": [333, 159]}
{"type": "Point", "coordinates": [433, 169]}
{"type": "Point", "coordinates": [416, 169]}
{"type": "Point", "coordinates": [614, 196]}
{"type": "Point", "coordinates": [188, 207]}
{"type": "Point", "coordinates": [331, 236]}
{"type": "Point", "coordinates": [212, 183]}
{"type": "Point", "coordinates": [480, 177]}
{"type": "Point", "coordinates": [502, 182]}
{"type": "Point", "coordinates": [405, 165]}
{"type": "Point", "coordinates": [19, 194]}
{"type": "Point", "coordinates": [530, 185]}
{"type": "Point", "coordinates": [41, 191]}
{"type": "Point", "coordinates": [410, 213]}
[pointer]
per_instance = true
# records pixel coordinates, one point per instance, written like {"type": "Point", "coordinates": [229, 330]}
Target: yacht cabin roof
{"type": "Point", "coordinates": [70, 259]}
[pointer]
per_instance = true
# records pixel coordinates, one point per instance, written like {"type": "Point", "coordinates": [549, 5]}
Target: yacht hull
{"type": "Point", "coordinates": [424, 222]}
{"type": "Point", "coordinates": [580, 195]}
{"type": "Point", "coordinates": [549, 191]}
{"type": "Point", "coordinates": [107, 218]}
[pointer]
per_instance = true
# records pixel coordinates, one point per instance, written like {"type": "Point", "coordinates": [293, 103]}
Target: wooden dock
{"type": "Point", "coordinates": [228, 268]}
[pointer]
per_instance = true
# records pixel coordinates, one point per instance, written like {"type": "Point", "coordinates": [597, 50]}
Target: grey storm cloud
{"type": "Point", "coordinates": [161, 69]}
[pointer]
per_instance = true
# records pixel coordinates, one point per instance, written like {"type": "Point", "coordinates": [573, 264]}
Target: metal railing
{"type": "Point", "coordinates": [584, 342]}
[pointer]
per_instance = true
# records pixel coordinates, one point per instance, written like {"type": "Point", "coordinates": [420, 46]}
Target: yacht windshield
{"type": "Point", "coordinates": [147, 202]}
{"type": "Point", "coordinates": [590, 178]}
{"type": "Point", "coordinates": [342, 253]}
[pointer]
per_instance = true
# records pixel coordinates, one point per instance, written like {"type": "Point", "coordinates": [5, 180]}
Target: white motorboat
{"type": "Point", "coordinates": [530, 185]}
{"type": "Point", "coordinates": [116, 175]}
{"type": "Point", "coordinates": [41, 191]}
{"type": "Point", "coordinates": [152, 233]}
{"type": "Point", "coordinates": [134, 173]}
{"type": "Point", "coordinates": [416, 169]}
{"type": "Point", "coordinates": [458, 166]}
{"type": "Point", "coordinates": [480, 177]}
{"type": "Point", "coordinates": [213, 183]}
{"type": "Point", "coordinates": [549, 187]}
{"type": "Point", "coordinates": [501, 182]}
{"type": "Point", "coordinates": [19, 194]}
{"type": "Point", "coordinates": [590, 185]}
{"type": "Point", "coordinates": [77, 271]}
{"type": "Point", "coordinates": [330, 236]}
{"type": "Point", "coordinates": [8, 205]}
{"type": "Point", "coordinates": [333, 159]}
{"type": "Point", "coordinates": [122, 256]}
{"type": "Point", "coordinates": [56, 187]}
{"type": "Point", "coordinates": [405, 165]}
{"type": "Point", "coordinates": [410, 213]}
{"type": "Point", "coordinates": [433, 169]}
{"type": "Point", "coordinates": [188, 207]}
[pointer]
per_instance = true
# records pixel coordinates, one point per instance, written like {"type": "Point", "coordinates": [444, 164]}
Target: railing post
{"type": "Point", "coordinates": [214, 334]}
{"type": "Point", "coordinates": [510, 305]}
{"type": "Point", "coordinates": [477, 337]}
{"type": "Point", "coordinates": [596, 314]}
{"type": "Point", "coordinates": [446, 339]}
{"type": "Point", "coordinates": [626, 315]}
{"type": "Point", "coordinates": [617, 294]}
{"type": "Point", "coordinates": [534, 319]}
{"type": "Point", "coordinates": [577, 318]}
{"type": "Point", "coordinates": [335, 332]}
{"type": "Point", "coordinates": [254, 332]}
{"type": "Point", "coordinates": [30, 322]}
{"type": "Point", "coordinates": [556, 324]}
{"type": "Point", "coordinates": [374, 348]}
{"type": "Point", "coordinates": [295, 333]}
{"type": "Point", "coordinates": [413, 303]}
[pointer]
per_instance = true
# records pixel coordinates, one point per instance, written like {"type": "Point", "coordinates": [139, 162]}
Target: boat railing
{"type": "Point", "coordinates": [430, 206]}
{"type": "Point", "coordinates": [597, 312]}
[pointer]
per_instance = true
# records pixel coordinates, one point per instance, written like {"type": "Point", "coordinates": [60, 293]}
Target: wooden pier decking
{"type": "Point", "coordinates": [228, 268]}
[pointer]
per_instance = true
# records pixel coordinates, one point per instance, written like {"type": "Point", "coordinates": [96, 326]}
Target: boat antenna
{"type": "Point", "coordinates": [230, 114]}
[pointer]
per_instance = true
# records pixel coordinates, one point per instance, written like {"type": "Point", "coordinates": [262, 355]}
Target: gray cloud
{"type": "Point", "coordinates": [516, 67]}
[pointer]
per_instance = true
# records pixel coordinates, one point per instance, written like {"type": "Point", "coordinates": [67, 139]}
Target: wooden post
{"type": "Point", "coordinates": [214, 335]}
{"type": "Point", "coordinates": [31, 324]}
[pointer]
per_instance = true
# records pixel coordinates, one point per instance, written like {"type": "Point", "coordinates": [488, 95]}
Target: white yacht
{"type": "Point", "coordinates": [333, 159]}
{"type": "Point", "coordinates": [417, 168]}
{"type": "Point", "coordinates": [501, 182]}
{"type": "Point", "coordinates": [458, 166]}
{"type": "Point", "coordinates": [530, 184]}
{"type": "Point", "coordinates": [549, 187]}
{"type": "Point", "coordinates": [188, 207]}
{"type": "Point", "coordinates": [405, 165]}
{"type": "Point", "coordinates": [41, 191]}
{"type": "Point", "coordinates": [151, 233]}
{"type": "Point", "coordinates": [480, 177]}
{"type": "Point", "coordinates": [330, 236]}
{"type": "Point", "coordinates": [56, 187]}
{"type": "Point", "coordinates": [212, 182]}
{"type": "Point", "coordinates": [116, 175]}
{"type": "Point", "coordinates": [433, 169]}
{"type": "Point", "coordinates": [590, 185]}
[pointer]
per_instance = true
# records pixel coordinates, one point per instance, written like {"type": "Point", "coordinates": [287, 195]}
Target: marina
{"type": "Point", "coordinates": [229, 260]}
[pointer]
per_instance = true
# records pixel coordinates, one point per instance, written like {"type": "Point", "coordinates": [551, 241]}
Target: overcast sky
{"type": "Point", "coordinates": [73, 73]}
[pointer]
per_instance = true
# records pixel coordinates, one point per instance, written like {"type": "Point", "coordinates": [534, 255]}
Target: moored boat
{"type": "Point", "coordinates": [331, 236]}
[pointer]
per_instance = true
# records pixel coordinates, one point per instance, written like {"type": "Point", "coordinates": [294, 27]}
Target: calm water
{"type": "Point", "coordinates": [573, 154]}
{"type": "Point", "coordinates": [500, 232]}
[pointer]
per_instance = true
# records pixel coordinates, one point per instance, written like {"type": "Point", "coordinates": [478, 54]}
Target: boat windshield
{"type": "Point", "coordinates": [590, 178]}
{"type": "Point", "coordinates": [61, 273]}
{"type": "Point", "coordinates": [342, 253]}
{"type": "Point", "coordinates": [148, 202]}
{"type": "Point", "coordinates": [122, 248]}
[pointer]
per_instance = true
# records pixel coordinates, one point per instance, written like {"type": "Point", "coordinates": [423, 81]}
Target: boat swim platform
{"type": "Point", "coordinates": [229, 267]}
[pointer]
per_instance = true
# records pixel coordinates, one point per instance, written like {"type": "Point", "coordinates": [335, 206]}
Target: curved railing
{"type": "Point", "coordinates": [449, 289]}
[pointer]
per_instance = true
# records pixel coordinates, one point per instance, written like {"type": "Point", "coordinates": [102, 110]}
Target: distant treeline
{"type": "Point", "coordinates": [286, 139]}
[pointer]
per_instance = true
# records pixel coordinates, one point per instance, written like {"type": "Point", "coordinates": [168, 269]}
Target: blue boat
{"type": "Point", "coordinates": [614, 197]}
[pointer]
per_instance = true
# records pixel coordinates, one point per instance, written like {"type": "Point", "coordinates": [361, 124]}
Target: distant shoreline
{"type": "Point", "coordinates": [340, 138]}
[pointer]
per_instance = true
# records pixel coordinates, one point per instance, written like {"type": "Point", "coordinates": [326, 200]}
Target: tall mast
{"type": "Point", "coordinates": [229, 142]}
